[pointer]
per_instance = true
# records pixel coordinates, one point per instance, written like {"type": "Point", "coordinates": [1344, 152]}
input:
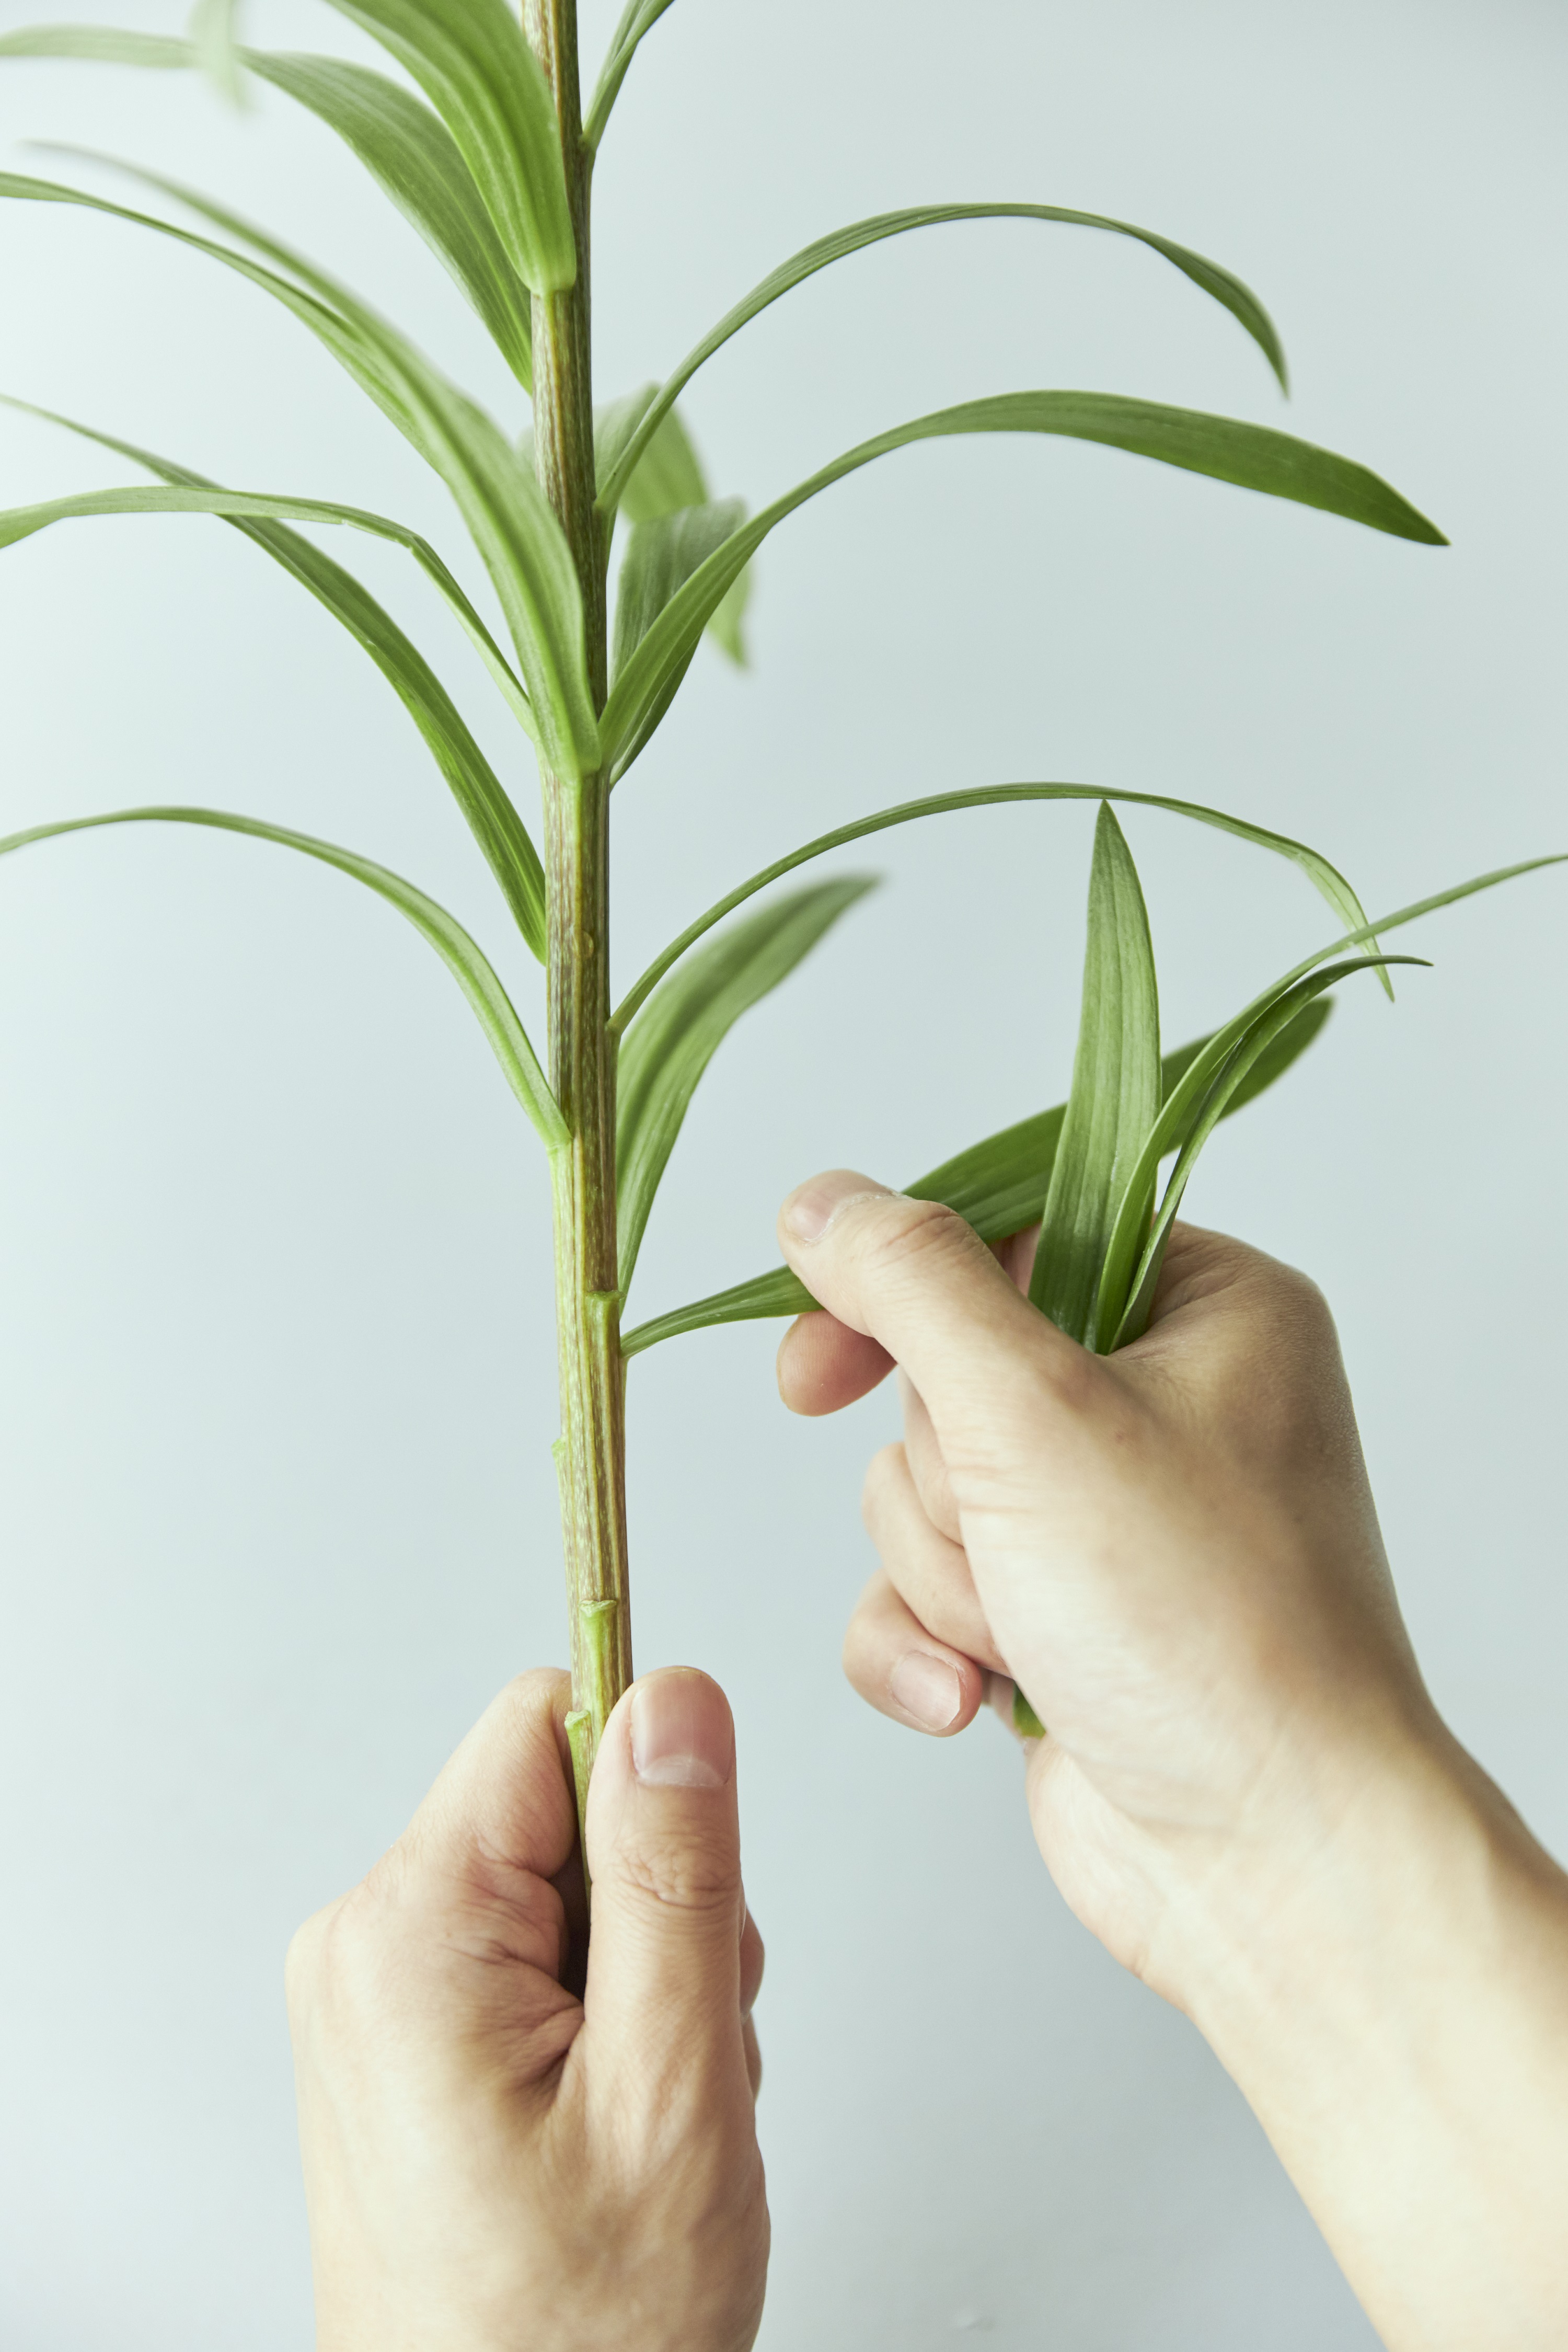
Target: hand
{"type": "Point", "coordinates": [492, 2162]}
{"type": "Point", "coordinates": [1244, 1788]}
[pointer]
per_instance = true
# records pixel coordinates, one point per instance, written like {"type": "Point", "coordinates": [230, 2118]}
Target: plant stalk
{"type": "Point", "coordinates": [590, 1455]}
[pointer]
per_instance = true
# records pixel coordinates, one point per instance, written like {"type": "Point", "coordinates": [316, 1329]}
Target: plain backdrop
{"type": "Point", "coordinates": [276, 1359]}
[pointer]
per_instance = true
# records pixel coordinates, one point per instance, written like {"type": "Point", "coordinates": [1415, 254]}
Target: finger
{"type": "Point", "coordinates": [913, 1277]}
{"type": "Point", "coordinates": [663, 1999]}
{"type": "Point", "coordinates": [753, 2050]}
{"type": "Point", "coordinates": [903, 1671]}
{"type": "Point", "coordinates": [927, 1463]}
{"type": "Point", "coordinates": [500, 1821]}
{"type": "Point", "coordinates": [929, 1573]}
{"type": "Point", "coordinates": [752, 1958]}
{"type": "Point", "coordinates": [823, 1365]}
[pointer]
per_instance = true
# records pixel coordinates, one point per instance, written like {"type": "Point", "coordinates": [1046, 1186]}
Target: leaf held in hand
{"type": "Point", "coordinates": [1115, 1096]}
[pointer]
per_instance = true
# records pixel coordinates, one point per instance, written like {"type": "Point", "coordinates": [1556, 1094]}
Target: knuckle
{"type": "Point", "coordinates": [686, 1873]}
{"type": "Point", "coordinates": [907, 1235]}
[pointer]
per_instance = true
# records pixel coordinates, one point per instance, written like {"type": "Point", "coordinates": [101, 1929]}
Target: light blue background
{"type": "Point", "coordinates": [276, 1365]}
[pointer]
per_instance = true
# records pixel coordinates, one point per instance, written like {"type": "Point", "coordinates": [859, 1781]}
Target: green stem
{"type": "Point", "coordinates": [590, 1455]}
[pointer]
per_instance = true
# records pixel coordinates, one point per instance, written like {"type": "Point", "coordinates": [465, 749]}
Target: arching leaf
{"type": "Point", "coordinates": [639, 17]}
{"type": "Point", "coordinates": [474, 64]}
{"type": "Point", "coordinates": [676, 1036]}
{"type": "Point", "coordinates": [1116, 1090]}
{"type": "Point", "coordinates": [494, 821]}
{"type": "Point", "coordinates": [1251, 456]}
{"type": "Point", "coordinates": [462, 958]}
{"type": "Point", "coordinates": [1222, 284]}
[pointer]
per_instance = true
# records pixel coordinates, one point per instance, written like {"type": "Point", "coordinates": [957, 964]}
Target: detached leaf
{"type": "Point", "coordinates": [215, 38]}
{"type": "Point", "coordinates": [462, 958]}
{"type": "Point", "coordinates": [493, 820]}
{"type": "Point", "coordinates": [1223, 285]}
{"type": "Point", "coordinates": [996, 1186]}
{"type": "Point", "coordinates": [474, 64]}
{"type": "Point", "coordinates": [1250, 455]}
{"type": "Point", "coordinates": [1115, 1096]}
{"type": "Point", "coordinates": [674, 1038]}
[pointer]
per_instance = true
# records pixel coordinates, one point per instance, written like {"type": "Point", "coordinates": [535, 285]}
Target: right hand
{"type": "Point", "coordinates": [1244, 1788]}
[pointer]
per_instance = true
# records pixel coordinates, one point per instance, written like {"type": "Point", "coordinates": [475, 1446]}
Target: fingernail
{"type": "Point", "coordinates": [812, 1208]}
{"type": "Point", "coordinates": [681, 1736]}
{"type": "Point", "coordinates": [928, 1688]}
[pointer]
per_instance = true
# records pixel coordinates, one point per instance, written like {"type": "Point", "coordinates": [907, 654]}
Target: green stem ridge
{"type": "Point", "coordinates": [591, 1455]}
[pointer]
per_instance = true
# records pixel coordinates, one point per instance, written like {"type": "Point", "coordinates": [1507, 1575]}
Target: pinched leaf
{"type": "Point", "coordinates": [461, 955]}
{"type": "Point", "coordinates": [996, 1186]}
{"type": "Point", "coordinates": [406, 147]}
{"type": "Point", "coordinates": [473, 62]}
{"type": "Point", "coordinates": [494, 821]}
{"type": "Point", "coordinates": [639, 17]}
{"type": "Point", "coordinates": [522, 544]}
{"type": "Point", "coordinates": [672, 1043]}
{"type": "Point", "coordinates": [1325, 878]}
{"type": "Point", "coordinates": [1115, 1096]}
{"type": "Point", "coordinates": [1222, 284]}
{"type": "Point", "coordinates": [1251, 456]}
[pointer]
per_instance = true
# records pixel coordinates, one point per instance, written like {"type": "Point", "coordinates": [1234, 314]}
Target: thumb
{"type": "Point", "coordinates": [912, 1275]}
{"type": "Point", "coordinates": [663, 1996]}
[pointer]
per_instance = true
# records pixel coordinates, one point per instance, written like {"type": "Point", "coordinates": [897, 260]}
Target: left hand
{"type": "Point", "coordinates": [492, 2161]}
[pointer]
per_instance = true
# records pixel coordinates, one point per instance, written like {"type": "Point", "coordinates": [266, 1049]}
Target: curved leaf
{"type": "Point", "coordinates": [522, 544]}
{"type": "Point", "coordinates": [405, 147]}
{"type": "Point", "coordinates": [1222, 284]}
{"type": "Point", "coordinates": [996, 1186]}
{"type": "Point", "coordinates": [1116, 1090]}
{"type": "Point", "coordinates": [639, 17]}
{"type": "Point", "coordinates": [660, 555]}
{"type": "Point", "coordinates": [462, 958]}
{"type": "Point", "coordinates": [671, 1045]}
{"type": "Point", "coordinates": [471, 61]}
{"type": "Point", "coordinates": [493, 820]}
{"type": "Point", "coordinates": [1251, 456]}
{"type": "Point", "coordinates": [1325, 878]}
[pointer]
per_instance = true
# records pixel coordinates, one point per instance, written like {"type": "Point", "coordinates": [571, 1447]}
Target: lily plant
{"type": "Point", "coordinates": [485, 146]}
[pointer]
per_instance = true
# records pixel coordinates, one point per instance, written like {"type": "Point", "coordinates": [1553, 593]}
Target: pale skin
{"type": "Point", "coordinates": [1244, 1792]}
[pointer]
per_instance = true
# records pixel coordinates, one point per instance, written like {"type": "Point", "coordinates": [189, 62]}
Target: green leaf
{"type": "Point", "coordinates": [1250, 455]}
{"type": "Point", "coordinates": [1222, 284]}
{"type": "Point", "coordinates": [474, 64]}
{"type": "Point", "coordinates": [1325, 878]}
{"type": "Point", "coordinates": [494, 821]}
{"type": "Point", "coordinates": [669, 1047]}
{"type": "Point", "coordinates": [508, 518]}
{"type": "Point", "coordinates": [727, 627]}
{"type": "Point", "coordinates": [996, 1186]}
{"type": "Point", "coordinates": [406, 148]}
{"type": "Point", "coordinates": [1181, 1116]}
{"type": "Point", "coordinates": [667, 474]}
{"type": "Point", "coordinates": [614, 422]}
{"type": "Point", "coordinates": [659, 556]}
{"type": "Point", "coordinates": [462, 958]}
{"type": "Point", "coordinates": [1120, 1322]}
{"type": "Point", "coordinates": [214, 41]}
{"type": "Point", "coordinates": [1115, 1096]}
{"type": "Point", "coordinates": [639, 17]}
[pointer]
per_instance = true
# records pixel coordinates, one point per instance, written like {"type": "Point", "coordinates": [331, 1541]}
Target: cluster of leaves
{"type": "Point", "coordinates": [474, 163]}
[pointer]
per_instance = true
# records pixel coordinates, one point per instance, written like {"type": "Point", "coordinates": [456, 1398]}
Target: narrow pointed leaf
{"type": "Point", "coordinates": [1222, 284]}
{"type": "Point", "coordinates": [1251, 456]}
{"type": "Point", "coordinates": [473, 62]}
{"type": "Point", "coordinates": [1115, 1096]}
{"type": "Point", "coordinates": [639, 17]}
{"type": "Point", "coordinates": [406, 147]}
{"type": "Point", "coordinates": [660, 555]}
{"type": "Point", "coordinates": [671, 1045]}
{"type": "Point", "coordinates": [996, 1186]}
{"type": "Point", "coordinates": [461, 955]}
{"type": "Point", "coordinates": [494, 821]}
{"type": "Point", "coordinates": [522, 544]}
{"type": "Point", "coordinates": [1325, 878]}
{"type": "Point", "coordinates": [668, 476]}
{"type": "Point", "coordinates": [1121, 1323]}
